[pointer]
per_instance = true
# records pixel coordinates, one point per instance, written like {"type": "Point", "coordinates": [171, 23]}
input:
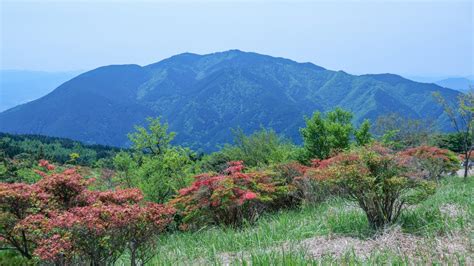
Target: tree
{"type": "Point", "coordinates": [73, 157]}
{"type": "Point", "coordinates": [154, 140]}
{"type": "Point", "coordinates": [160, 177]}
{"type": "Point", "coordinates": [325, 135]}
{"type": "Point", "coordinates": [155, 166]}
{"type": "Point", "coordinates": [125, 166]}
{"type": "Point", "coordinates": [462, 119]}
{"type": "Point", "coordinates": [399, 132]}
{"type": "Point", "coordinates": [263, 147]}
{"type": "Point", "coordinates": [450, 141]}
{"type": "Point", "coordinates": [362, 134]}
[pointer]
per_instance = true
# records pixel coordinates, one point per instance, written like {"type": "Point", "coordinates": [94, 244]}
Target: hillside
{"type": "Point", "coordinates": [203, 96]}
{"type": "Point", "coordinates": [57, 150]}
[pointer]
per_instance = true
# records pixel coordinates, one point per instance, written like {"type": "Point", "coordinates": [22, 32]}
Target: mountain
{"type": "Point", "coordinates": [21, 86]}
{"type": "Point", "coordinates": [460, 84]}
{"type": "Point", "coordinates": [203, 96]}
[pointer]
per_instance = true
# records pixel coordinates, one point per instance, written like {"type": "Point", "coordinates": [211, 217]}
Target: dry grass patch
{"type": "Point", "coordinates": [453, 210]}
{"type": "Point", "coordinates": [392, 241]}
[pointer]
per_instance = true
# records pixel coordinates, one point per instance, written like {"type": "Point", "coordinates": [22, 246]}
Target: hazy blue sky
{"type": "Point", "coordinates": [412, 38]}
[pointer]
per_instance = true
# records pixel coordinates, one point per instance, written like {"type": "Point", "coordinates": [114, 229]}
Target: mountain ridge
{"type": "Point", "coordinates": [203, 96]}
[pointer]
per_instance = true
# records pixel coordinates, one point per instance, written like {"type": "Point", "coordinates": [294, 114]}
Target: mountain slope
{"type": "Point", "coordinates": [203, 96]}
{"type": "Point", "coordinates": [21, 86]}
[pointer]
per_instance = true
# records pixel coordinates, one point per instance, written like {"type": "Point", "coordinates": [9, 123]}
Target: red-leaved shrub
{"type": "Point", "coordinates": [433, 162]}
{"type": "Point", "coordinates": [229, 198]}
{"type": "Point", "coordinates": [381, 181]}
{"type": "Point", "coordinates": [60, 221]}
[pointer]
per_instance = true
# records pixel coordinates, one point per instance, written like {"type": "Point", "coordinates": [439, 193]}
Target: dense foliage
{"type": "Point", "coordinates": [155, 166]}
{"type": "Point", "coordinates": [261, 148]}
{"type": "Point", "coordinates": [59, 220]}
{"type": "Point", "coordinates": [329, 134]}
{"type": "Point", "coordinates": [59, 150]}
{"type": "Point", "coordinates": [434, 162]}
{"type": "Point", "coordinates": [229, 198]}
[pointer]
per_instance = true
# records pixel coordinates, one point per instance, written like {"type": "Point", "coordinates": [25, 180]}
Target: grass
{"type": "Point", "coordinates": [301, 258]}
{"type": "Point", "coordinates": [258, 244]}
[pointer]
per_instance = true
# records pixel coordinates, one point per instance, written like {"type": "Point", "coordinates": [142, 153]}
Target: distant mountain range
{"type": "Point", "coordinates": [21, 86]}
{"type": "Point", "coordinates": [460, 84]}
{"type": "Point", "coordinates": [203, 96]}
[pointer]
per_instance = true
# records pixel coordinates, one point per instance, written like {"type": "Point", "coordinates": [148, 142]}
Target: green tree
{"type": "Point", "coordinates": [362, 134]}
{"type": "Point", "coordinates": [160, 177]}
{"type": "Point", "coordinates": [154, 140]}
{"type": "Point", "coordinates": [325, 135]}
{"type": "Point", "coordinates": [73, 157]}
{"type": "Point", "coordinates": [126, 167]}
{"type": "Point", "coordinates": [450, 141]}
{"type": "Point", "coordinates": [155, 166]}
{"type": "Point", "coordinates": [263, 147]}
{"type": "Point", "coordinates": [462, 119]}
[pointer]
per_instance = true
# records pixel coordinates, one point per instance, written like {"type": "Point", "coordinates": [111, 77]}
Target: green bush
{"type": "Point", "coordinates": [262, 148]}
{"type": "Point", "coordinates": [382, 182]}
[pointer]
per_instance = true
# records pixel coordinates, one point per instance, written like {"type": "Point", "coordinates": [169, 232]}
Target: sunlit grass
{"type": "Point", "coordinates": [335, 217]}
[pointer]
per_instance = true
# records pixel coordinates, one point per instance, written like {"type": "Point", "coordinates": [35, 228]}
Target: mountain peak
{"type": "Point", "coordinates": [233, 56]}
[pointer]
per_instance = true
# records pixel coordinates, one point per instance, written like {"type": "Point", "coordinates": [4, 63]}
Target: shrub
{"type": "Point", "coordinates": [99, 233]}
{"type": "Point", "coordinates": [382, 182]}
{"type": "Point", "coordinates": [302, 189]}
{"type": "Point", "coordinates": [433, 161]}
{"type": "Point", "coordinates": [17, 201]}
{"type": "Point", "coordinates": [65, 223]}
{"type": "Point", "coordinates": [261, 148]}
{"type": "Point", "coordinates": [229, 198]}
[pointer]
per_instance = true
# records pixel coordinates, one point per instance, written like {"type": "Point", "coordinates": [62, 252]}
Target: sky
{"type": "Point", "coordinates": [423, 38]}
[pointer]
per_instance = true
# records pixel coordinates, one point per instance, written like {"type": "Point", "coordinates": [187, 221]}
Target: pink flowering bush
{"type": "Point", "coordinates": [60, 221]}
{"type": "Point", "coordinates": [433, 161]}
{"type": "Point", "coordinates": [17, 202]}
{"type": "Point", "coordinates": [229, 198]}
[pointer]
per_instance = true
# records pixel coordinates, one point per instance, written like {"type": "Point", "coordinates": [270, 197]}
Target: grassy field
{"type": "Point", "coordinates": [440, 230]}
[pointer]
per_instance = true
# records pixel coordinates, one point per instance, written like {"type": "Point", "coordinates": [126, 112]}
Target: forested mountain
{"type": "Point", "coordinates": [203, 96]}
